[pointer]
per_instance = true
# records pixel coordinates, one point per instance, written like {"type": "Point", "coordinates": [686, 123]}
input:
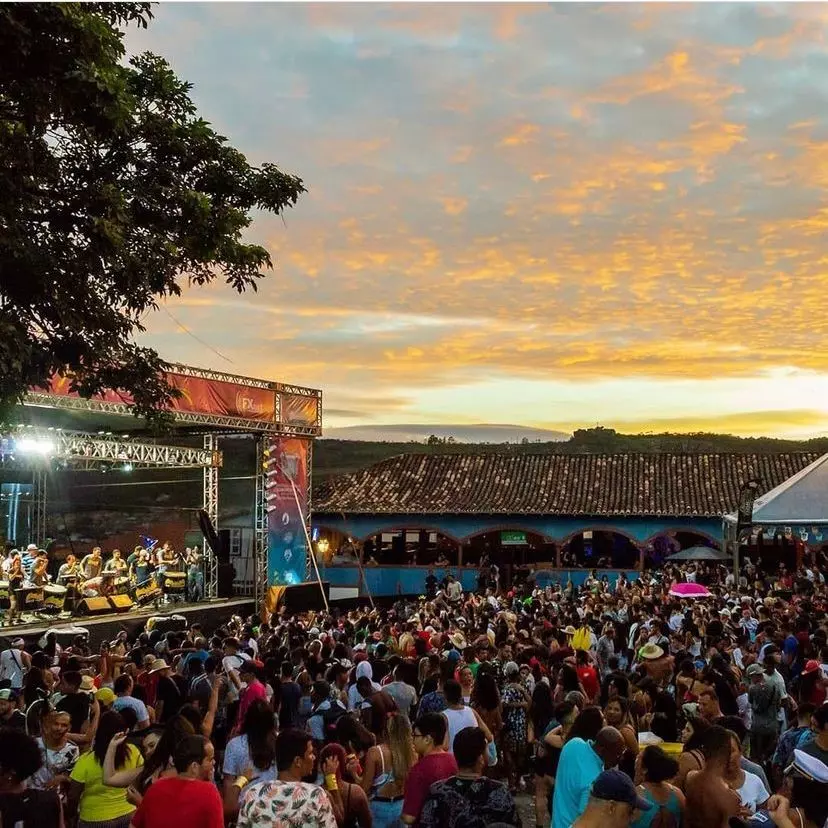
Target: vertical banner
{"type": "Point", "coordinates": [286, 461]}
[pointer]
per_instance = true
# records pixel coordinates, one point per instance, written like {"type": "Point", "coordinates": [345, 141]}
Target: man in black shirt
{"type": "Point", "coordinates": [20, 758]}
{"type": "Point", "coordinates": [77, 705]}
{"type": "Point", "coordinates": [10, 716]}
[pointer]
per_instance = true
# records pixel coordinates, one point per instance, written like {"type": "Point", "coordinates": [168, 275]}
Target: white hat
{"type": "Point", "coordinates": [32, 547]}
{"type": "Point", "coordinates": [809, 766]}
{"type": "Point", "coordinates": [725, 612]}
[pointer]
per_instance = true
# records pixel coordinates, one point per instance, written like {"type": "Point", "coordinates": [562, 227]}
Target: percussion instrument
{"type": "Point", "coordinates": [175, 583]}
{"type": "Point", "coordinates": [29, 598]}
{"type": "Point", "coordinates": [146, 592]}
{"type": "Point", "coordinates": [122, 586]}
{"type": "Point", "coordinates": [54, 597]}
{"type": "Point", "coordinates": [5, 595]}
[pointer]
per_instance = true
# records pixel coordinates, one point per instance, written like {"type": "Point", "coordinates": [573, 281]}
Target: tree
{"type": "Point", "coordinates": [113, 194]}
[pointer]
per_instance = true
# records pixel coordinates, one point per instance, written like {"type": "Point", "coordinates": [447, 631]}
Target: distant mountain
{"type": "Point", "coordinates": [415, 433]}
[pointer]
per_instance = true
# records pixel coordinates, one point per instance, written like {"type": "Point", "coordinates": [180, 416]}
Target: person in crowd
{"type": "Point", "coordinates": [288, 802]}
{"type": "Point", "coordinates": [401, 691]}
{"type": "Point", "coordinates": [654, 772]}
{"type": "Point", "coordinates": [99, 805]}
{"type": "Point", "coordinates": [21, 804]}
{"type": "Point", "coordinates": [189, 798]}
{"type": "Point", "coordinates": [818, 746]}
{"type": "Point", "coordinates": [515, 735]}
{"type": "Point", "coordinates": [469, 799]}
{"type": "Point", "coordinates": [124, 700]}
{"type": "Point", "coordinates": [710, 801]}
{"type": "Point", "coordinates": [434, 763]}
{"type": "Point", "coordinates": [59, 754]}
{"type": "Point", "coordinates": [348, 800]}
{"type": "Point", "coordinates": [580, 764]}
{"type": "Point", "coordinates": [791, 739]}
{"type": "Point", "coordinates": [692, 755]}
{"type": "Point", "coordinates": [613, 800]}
{"type": "Point", "coordinates": [14, 663]}
{"type": "Point", "coordinates": [10, 714]}
{"type": "Point", "coordinates": [618, 715]}
{"type": "Point", "coordinates": [251, 754]}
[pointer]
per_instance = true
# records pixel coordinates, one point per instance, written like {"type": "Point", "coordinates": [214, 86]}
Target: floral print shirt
{"type": "Point", "coordinates": [285, 805]}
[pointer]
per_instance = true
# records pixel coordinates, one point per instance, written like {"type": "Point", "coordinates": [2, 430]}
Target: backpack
{"type": "Point", "coordinates": [330, 720]}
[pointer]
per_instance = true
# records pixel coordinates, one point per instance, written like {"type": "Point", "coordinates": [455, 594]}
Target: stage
{"type": "Point", "coordinates": [210, 614]}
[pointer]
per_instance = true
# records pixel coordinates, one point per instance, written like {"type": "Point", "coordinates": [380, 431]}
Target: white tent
{"type": "Point", "coordinates": [801, 501]}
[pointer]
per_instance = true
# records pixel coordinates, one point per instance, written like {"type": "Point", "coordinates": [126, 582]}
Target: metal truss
{"type": "Point", "coordinates": [39, 497]}
{"type": "Point", "coordinates": [211, 494]}
{"type": "Point", "coordinates": [220, 376]}
{"type": "Point", "coordinates": [260, 528]}
{"type": "Point", "coordinates": [88, 452]}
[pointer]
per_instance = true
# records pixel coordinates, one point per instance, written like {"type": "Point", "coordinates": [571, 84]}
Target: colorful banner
{"type": "Point", "coordinates": [226, 399]}
{"type": "Point", "coordinates": [198, 396]}
{"type": "Point", "coordinates": [297, 409]}
{"type": "Point", "coordinates": [286, 462]}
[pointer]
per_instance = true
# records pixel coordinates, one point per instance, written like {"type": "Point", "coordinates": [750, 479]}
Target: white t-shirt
{"type": "Point", "coordinates": [753, 792]}
{"type": "Point", "coordinates": [230, 664]}
{"type": "Point", "coordinates": [458, 720]}
{"type": "Point", "coordinates": [11, 668]}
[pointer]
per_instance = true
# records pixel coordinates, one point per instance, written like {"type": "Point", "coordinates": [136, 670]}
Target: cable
{"type": "Point", "coordinates": [196, 338]}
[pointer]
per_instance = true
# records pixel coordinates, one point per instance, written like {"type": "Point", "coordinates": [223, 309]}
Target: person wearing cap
{"type": "Point", "coordinates": [812, 683]}
{"type": "Point", "coordinates": [613, 800]}
{"type": "Point", "coordinates": [803, 803]}
{"type": "Point", "coordinates": [10, 715]}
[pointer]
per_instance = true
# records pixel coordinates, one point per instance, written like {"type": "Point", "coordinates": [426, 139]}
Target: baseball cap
{"type": "Point", "coordinates": [616, 786]}
{"type": "Point", "coordinates": [754, 670]}
{"type": "Point", "coordinates": [7, 694]}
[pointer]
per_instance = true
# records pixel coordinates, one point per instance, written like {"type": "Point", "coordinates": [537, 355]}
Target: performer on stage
{"type": "Point", "coordinates": [69, 572]}
{"type": "Point", "coordinates": [40, 575]}
{"type": "Point", "coordinates": [92, 565]}
{"type": "Point", "coordinates": [195, 576]}
{"type": "Point", "coordinates": [143, 568]}
{"type": "Point", "coordinates": [116, 564]}
{"type": "Point", "coordinates": [15, 578]}
{"type": "Point", "coordinates": [165, 559]}
{"type": "Point", "coordinates": [101, 586]}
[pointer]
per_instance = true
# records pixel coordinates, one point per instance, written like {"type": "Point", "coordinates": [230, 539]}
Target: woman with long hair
{"type": "Point", "coordinates": [618, 714]}
{"type": "Point", "coordinates": [485, 700]}
{"type": "Point", "coordinates": [386, 768]}
{"type": "Point", "coordinates": [542, 719]}
{"type": "Point", "coordinates": [568, 682]}
{"type": "Point", "coordinates": [100, 805]}
{"type": "Point", "coordinates": [653, 771]}
{"type": "Point", "coordinates": [251, 754]}
{"type": "Point", "coordinates": [692, 758]}
{"type": "Point", "coordinates": [587, 724]}
{"type": "Point", "coordinates": [350, 807]}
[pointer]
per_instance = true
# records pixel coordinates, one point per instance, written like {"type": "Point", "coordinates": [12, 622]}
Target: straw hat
{"type": "Point", "coordinates": [87, 685]}
{"type": "Point", "coordinates": [158, 664]}
{"type": "Point", "coordinates": [458, 640]}
{"type": "Point", "coordinates": [650, 652]}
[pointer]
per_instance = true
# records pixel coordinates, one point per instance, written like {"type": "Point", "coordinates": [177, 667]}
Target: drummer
{"type": "Point", "coordinates": [92, 565]}
{"type": "Point", "coordinates": [142, 568]}
{"type": "Point", "coordinates": [101, 586]}
{"type": "Point", "coordinates": [40, 574]}
{"type": "Point", "coordinates": [116, 564]}
{"type": "Point", "coordinates": [69, 571]}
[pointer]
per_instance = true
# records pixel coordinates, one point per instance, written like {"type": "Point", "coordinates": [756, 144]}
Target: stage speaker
{"type": "Point", "coordinates": [226, 576]}
{"type": "Point", "coordinates": [304, 597]}
{"type": "Point", "coordinates": [120, 603]}
{"type": "Point", "coordinates": [94, 606]}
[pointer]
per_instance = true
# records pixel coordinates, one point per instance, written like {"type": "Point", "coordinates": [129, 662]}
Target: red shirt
{"type": "Point", "coordinates": [254, 690]}
{"type": "Point", "coordinates": [173, 802]}
{"type": "Point", "coordinates": [589, 678]}
{"type": "Point", "coordinates": [429, 769]}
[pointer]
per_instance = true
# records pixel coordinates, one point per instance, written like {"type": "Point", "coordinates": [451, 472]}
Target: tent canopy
{"type": "Point", "coordinates": [699, 553]}
{"type": "Point", "coordinates": [801, 499]}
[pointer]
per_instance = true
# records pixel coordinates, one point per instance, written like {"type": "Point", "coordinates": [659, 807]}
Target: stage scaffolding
{"type": "Point", "coordinates": [94, 451]}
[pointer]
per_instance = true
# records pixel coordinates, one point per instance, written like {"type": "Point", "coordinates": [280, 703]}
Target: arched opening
{"type": "Point", "coordinates": [410, 546]}
{"type": "Point", "coordinates": [600, 549]}
{"type": "Point", "coordinates": [513, 550]}
{"type": "Point", "coordinates": [659, 547]}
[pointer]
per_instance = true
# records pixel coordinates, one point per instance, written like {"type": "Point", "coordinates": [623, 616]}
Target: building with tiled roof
{"type": "Point", "coordinates": [550, 501]}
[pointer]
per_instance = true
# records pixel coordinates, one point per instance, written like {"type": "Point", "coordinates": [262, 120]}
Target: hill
{"type": "Point", "coordinates": [333, 457]}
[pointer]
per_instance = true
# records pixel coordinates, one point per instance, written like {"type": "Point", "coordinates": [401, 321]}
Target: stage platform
{"type": "Point", "coordinates": [210, 614]}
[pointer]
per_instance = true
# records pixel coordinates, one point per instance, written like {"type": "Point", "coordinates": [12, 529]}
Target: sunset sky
{"type": "Point", "coordinates": [548, 215]}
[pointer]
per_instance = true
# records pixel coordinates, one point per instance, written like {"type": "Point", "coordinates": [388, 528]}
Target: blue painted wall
{"type": "Point", "coordinates": [405, 580]}
{"type": "Point", "coordinates": [554, 529]}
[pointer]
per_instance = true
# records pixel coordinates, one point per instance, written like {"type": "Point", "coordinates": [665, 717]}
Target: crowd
{"type": "Point", "coordinates": [603, 706]}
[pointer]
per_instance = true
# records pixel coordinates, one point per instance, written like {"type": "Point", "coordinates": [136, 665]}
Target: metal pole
{"type": "Point", "coordinates": [211, 493]}
{"type": "Point", "coordinates": [310, 545]}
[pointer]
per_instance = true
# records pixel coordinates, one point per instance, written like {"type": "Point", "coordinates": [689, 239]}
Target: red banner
{"type": "Point", "coordinates": [226, 399]}
{"type": "Point", "coordinates": [297, 409]}
{"type": "Point", "coordinates": [198, 396]}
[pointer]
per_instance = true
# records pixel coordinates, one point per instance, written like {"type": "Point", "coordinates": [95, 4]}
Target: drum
{"type": "Point", "coordinates": [29, 598]}
{"type": "Point", "coordinates": [54, 597]}
{"type": "Point", "coordinates": [146, 592]}
{"type": "Point", "coordinates": [175, 583]}
{"type": "Point", "coordinates": [122, 586]}
{"type": "Point", "coordinates": [5, 595]}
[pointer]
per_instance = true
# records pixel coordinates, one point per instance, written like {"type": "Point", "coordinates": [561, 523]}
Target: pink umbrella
{"type": "Point", "coordinates": [690, 591]}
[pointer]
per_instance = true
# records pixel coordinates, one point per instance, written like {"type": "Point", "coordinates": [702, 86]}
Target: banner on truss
{"type": "Point", "coordinates": [198, 396]}
{"type": "Point", "coordinates": [286, 473]}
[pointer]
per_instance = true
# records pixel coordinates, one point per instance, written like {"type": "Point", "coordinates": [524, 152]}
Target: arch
{"type": "Point", "coordinates": [687, 530]}
{"type": "Point", "coordinates": [612, 530]}
{"type": "Point", "coordinates": [378, 530]}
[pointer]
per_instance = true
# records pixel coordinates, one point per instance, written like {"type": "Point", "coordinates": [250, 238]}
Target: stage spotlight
{"type": "Point", "coordinates": [28, 445]}
{"type": "Point", "coordinates": [128, 467]}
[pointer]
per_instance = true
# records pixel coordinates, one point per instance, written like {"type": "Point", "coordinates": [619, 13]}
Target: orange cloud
{"type": "Point", "coordinates": [454, 206]}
